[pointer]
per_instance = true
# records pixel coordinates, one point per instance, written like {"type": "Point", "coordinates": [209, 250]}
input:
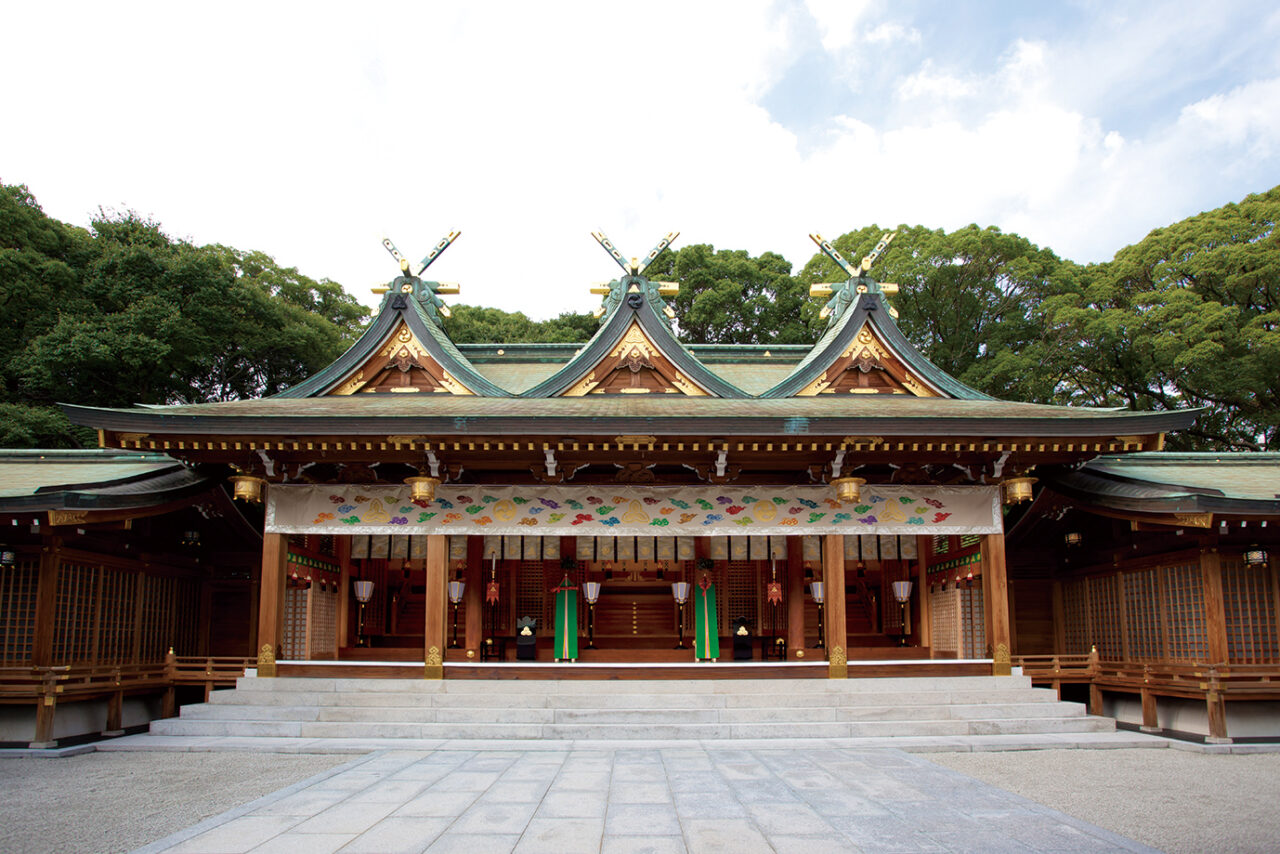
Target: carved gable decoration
{"type": "Point", "coordinates": [634, 366]}
{"type": "Point", "coordinates": [401, 364]}
{"type": "Point", "coordinates": [867, 366]}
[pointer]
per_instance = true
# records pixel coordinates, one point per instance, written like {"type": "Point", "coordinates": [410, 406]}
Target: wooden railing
{"type": "Point", "coordinates": [1056, 669]}
{"type": "Point", "coordinates": [45, 687]}
{"type": "Point", "coordinates": [1213, 683]}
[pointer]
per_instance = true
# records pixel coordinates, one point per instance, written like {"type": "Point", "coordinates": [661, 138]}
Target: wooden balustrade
{"type": "Point", "coordinates": [1213, 683]}
{"type": "Point", "coordinates": [45, 687]}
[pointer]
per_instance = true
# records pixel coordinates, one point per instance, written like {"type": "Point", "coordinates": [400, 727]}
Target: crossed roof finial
{"type": "Point", "coordinates": [633, 279]}
{"type": "Point", "coordinates": [410, 283]}
{"type": "Point", "coordinates": [840, 295]}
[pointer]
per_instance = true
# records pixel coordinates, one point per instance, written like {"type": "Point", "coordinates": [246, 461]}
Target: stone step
{"type": "Point", "coordinates": [626, 709]}
{"type": "Point", "coordinates": [534, 687]}
{"type": "Point", "coordinates": [603, 698]}
{"type": "Point", "coordinates": [524, 714]}
{"type": "Point", "coordinates": [757, 730]}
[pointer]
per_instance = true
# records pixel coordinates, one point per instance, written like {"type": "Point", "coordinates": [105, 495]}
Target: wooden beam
{"type": "Point", "coordinates": [46, 605]}
{"type": "Point", "coordinates": [995, 580]}
{"type": "Point", "coordinates": [275, 551]}
{"type": "Point", "coordinates": [795, 596]}
{"type": "Point", "coordinates": [834, 604]}
{"type": "Point", "coordinates": [437, 600]}
{"type": "Point", "coordinates": [473, 597]}
{"type": "Point", "coordinates": [342, 549]}
{"type": "Point", "coordinates": [1215, 618]}
{"type": "Point", "coordinates": [924, 553]}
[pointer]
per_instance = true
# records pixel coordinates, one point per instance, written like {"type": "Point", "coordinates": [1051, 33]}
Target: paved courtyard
{"type": "Point", "coordinates": [694, 798]}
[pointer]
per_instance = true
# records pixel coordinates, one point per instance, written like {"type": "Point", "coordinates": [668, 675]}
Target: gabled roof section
{"type": "Point", "coordinates": [634, 352]}
{"type": "Point", "coordinates": [403, 350]}
{"type": "Point", "coordinates": [864, 352]}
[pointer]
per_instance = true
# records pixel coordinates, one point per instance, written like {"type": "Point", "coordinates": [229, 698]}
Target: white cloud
{"type": "Point", "coordinates": [927, 83]}
{"type": "Point", "coordinates": [837, 20]}
{"type": "Point", "coordinates": [891, 33]}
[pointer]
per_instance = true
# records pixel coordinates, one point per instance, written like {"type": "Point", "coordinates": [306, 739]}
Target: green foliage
{"type": "Point", "coordinates": [125, 314]}
{"type": "Point", "coordinates": [1186, 317]}
{"type": "Point", "coordinates": [472, 324]}
{"type": "Point", "coordinates": [728, 297]}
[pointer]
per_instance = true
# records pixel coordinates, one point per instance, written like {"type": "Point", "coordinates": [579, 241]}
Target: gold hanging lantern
{"type": "Point", "coordinates": [422, 488]}
{"type": "Point", "coordinates": [247, 488]}
{"type": "Point", "coordinates": [848, 489]}
{"type": "Point", "coordinates": [1018, 489]}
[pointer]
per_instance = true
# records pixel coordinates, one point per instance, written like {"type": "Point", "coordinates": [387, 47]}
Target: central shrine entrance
{"type": "Point", "coordinates": [364, 597]}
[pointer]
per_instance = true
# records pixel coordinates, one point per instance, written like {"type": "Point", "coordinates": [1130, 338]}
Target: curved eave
{"type": "Point", "coordinates": [608, 336]}
{"type": "Point", "coordinates": [602, 415]}
{"type": "Point", "coordinates": [131, 494]}
{"type": "Point", "coordinates": [1129, 495]}
{"type": "Point", "coordinates": [872, 309]}
{"type": "Point", "coordinates": [437, 344]}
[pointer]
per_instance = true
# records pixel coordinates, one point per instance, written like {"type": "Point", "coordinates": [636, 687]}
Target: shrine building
{"type": "Point", "coordinates": [442, 510]}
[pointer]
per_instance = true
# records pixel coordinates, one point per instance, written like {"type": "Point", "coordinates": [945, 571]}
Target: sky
{"type": "Point", "coordinates": [312, 131]}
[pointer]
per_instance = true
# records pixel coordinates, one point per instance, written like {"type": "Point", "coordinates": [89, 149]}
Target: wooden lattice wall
{"type": "Point", "coordinates": [973, 623]}
{"type": "Point", "coordinates": [18, 610]}
{"type": "Point", "coordinates": [114, 615]}
{"type": "Point", "coordinates": [1249, 601]}
{"type": "Point", "coordinates": [944, 611]}
{"type": "Point", "coordinates": [1140, 614]}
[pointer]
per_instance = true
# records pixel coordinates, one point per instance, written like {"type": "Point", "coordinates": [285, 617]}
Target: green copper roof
{"type": "Point", "coordinates": [869, 308]}
{"type": "Point", "coordinates": [1178, 482]}
{"type": "Point", "coordinates": [420, 319]}
{"type": "Point", "coordinates": [441, 414]}
{"type": "Point", "coordinates": [634, 307]}
{"type": "Point", "coordinates": [91, 478]}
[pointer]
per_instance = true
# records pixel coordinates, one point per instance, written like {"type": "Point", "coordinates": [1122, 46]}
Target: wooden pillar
{"type": "Point", "coordinates": [46, 604]}
{"type": "Point", "coordinates": [834, 606]}
{"type": "Point", "coordinates": [473, 597]}
{"type": "Point", "coordinates": [924, 554]}
{"type": "Point", "coordinates": [115, 713]}
{"type": "Point", "coordinates": [342, 548]}
{"type": "Point", "coordinates": [1215, 618]}
{"type": "Point", "coordinates": [1150, 721]}
{"type": "Point", "coordinates": [1059, 621]}
{"type": "Point", "coordinates": [275, 552]}
{"type": "Point", "coordinates": [795, 597]}
{"type": "Point", "coordinates": [996, 598]}
{"type": "Point", "coordinates": [437, 600]}
{"type": "Point", "coordinates": [46, 705]}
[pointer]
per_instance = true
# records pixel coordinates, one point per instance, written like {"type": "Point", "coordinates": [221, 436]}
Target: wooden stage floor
{"type": "Point", "coordinates": [635, 670]}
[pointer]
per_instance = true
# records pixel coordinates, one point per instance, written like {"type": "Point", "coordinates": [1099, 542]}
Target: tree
{"type": "Point", "coordinates": [472, 324]}
{"type": "Point", "coordinates": [1186, 317]}
{"type": "Point", "coordinates": [728, 297]}
{"type": "Point", "coordinates": [968, 300]}
{"type": "Point", "coordinates": [125, 314]}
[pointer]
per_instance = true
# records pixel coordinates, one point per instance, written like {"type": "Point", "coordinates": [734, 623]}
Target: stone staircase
{"type": "Point", "coordinates": [634, 709]}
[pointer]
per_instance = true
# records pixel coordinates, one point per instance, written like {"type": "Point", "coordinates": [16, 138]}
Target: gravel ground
{"type": "Point", "coordinates": [100, 802]}
{"type": "Point", "coordinates": [1168, 799]}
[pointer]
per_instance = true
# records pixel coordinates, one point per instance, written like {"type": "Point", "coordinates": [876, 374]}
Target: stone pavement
{"type": "Point", "coordinates": [683, 797]}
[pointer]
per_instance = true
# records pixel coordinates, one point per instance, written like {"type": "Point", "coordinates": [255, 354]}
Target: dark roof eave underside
{"type": "Point", "coordinates": [1156, 499]}
{"type": "Point", "coordinates": [173, 489]}
{"type": "Point", "coordinates": [1102, 424]}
